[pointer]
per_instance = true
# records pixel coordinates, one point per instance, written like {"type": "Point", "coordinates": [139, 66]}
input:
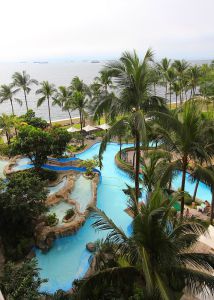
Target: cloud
{"type": "Point", "coordinates": [104, 28]}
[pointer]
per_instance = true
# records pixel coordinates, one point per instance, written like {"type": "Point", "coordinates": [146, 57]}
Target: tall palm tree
{"type": "Point", "coordinates": [176, 88]}
{"type": "Point", "coordinates": [181, 67]}
{"type": "Point", "coordinates": [163, 67]}
{"type": "Point", "coordinates": [80, 95]}
{"type": "Point", "coordinates": [7, 125]}
{"type": "Point", "coordinates": [47, 91]}
{"type": "Point", "coordinates": [170, 78]}
{"type": "Point", "coordinates": [187, 135]}
{"type": "Point", "coordinates": [194, 74]}
{"type": "Point", "coordinates": [23, 82]}
{"type": "Point", "coordinates": [133, 80]}
{"type": "Point", "coordinates": [7, 93]}
{"type": "Point", "coordinates": [155, 261]}
{"type": "Point", "coordinates": [63, 99]}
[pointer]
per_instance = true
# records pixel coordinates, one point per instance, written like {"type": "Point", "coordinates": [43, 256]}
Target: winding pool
{"type": "Point", "coordinates": [68, 259]}
{"type": "Point", "coordinates": [82, 192]}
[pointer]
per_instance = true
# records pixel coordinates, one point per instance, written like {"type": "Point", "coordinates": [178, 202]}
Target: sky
{"type": "Point", "coordinates": [103, 29]}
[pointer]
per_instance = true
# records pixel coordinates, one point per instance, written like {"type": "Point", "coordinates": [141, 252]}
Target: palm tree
{"type": "Point", "coordinates": [176, 88]}
{"type": "Point", "coordinates": [47, 91]}
{"type": "Point", "coordinates": [23, 81]}
{"type": "Point", "coordinates": [7, 124]}
{"type": "Point", "coordinates": [170, 77]}
{"type": "Point", "coordinates": [181, 67]}
{"type": "Point", "coordinates": [133, 80]}
{"type": "Point", "coordinates": [187, 135]}
{"type": "Point", "coordinates": [155, 165]}
{"type": "Point", "coordinates": [194, 74]}
{"type": "Point", "coordinates": [163, 67]}
{"type": "Point", "coordinates": [7, 92]}
{"type": "Point", "coordinates": [156, 260]}
{"type": "Point", "coordinates": [80, 95]}
{"type": "Point", "coordinates": [63, 99]}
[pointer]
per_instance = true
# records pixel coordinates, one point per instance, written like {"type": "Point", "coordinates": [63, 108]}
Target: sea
{"type": "Point", "coordinates": [58, 73]}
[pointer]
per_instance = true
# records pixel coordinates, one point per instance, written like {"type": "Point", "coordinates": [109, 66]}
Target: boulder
{"type": "Point", "coordinates": [91, 247]}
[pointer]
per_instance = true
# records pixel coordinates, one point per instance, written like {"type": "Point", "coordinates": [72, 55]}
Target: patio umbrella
{"type": "Point", "coordinates": [104, 126]}
{"type": "Point", "coordinates": [89, 128]}
{"type": "Point", "coordinates": [72, 129]}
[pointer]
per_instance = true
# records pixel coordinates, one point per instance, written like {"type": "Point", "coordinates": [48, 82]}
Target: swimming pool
{"type": "Point", "coordinates": [23, 163]}
{"type": "Point", "coordinates": [68, 259]}
{"type": "Point", "coordinates": [54, 189]}
{"type": "Point", "coordinates": [82, 192]}
{"type": "Point", "coordinates": [3, 163]}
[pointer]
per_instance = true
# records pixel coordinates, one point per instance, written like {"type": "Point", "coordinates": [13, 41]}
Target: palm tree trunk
{"type": "Point", "coordinates": [183, 183]}
{"type": "Point", "coordinates": [26, 100]}
{"type": "Point", "coordinates": [170, 96]}
{"type": "Point", "coordinates": [11, 103]}
{"type": "Point", "coordinates": [49, 111]}
{"type": "Point", "coordinates": [8, 138]}
{"type": "Point", "coordinates": [195, 191]}
{"type": "Point", "coordinates": [70, 116]}
{"type": "Point", "coordinates": [137, 166]}
{"type": "Point", "coordinates": [120, 141]}
{"type": "Point", "coordinates": [81, 126]}
{"type": "Point", "coordinates": [212, 207]}
{"type": "Point", "coordinates": [176, 99]}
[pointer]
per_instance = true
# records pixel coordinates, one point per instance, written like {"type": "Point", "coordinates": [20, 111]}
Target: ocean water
{"type": "Point", "coordinates": [58, 73]}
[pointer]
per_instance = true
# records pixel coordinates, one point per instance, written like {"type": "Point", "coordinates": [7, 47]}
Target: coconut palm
{"type": "Point", "coordinates": [155, 261]}
{"type": "Point", "coordinates": [47, 91]}
{"type": "Point", "coordinates": [23, 82]}
{"type": "Point", "coordinates": [170, 78]}
{"type": "Point", "coordinates": [80, 95]}
{"type": "Point", "coordinates": [194, 74]}
{"type": "Point", "coordinates": [63, 99]}
{"type": "Point", "coordinates": [134, 82]}
{"type": "Point", "coordinates": [7, 93]}
{"type": "Point", "coordinates": [163, 67]}
{"type": "Point", "coordinates": [187, 135]}
{"type": "Point", "coordinates": [6, 125]}
{"type": "Point", "coordinates": [181, 67]}
{"type": "Point", "coordinates": [176, 88]}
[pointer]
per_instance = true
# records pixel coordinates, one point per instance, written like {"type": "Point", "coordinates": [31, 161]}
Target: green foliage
{"type": "Point", "coordinates": [51, 219]}
{"type": "Point", "coordinates": [69, 213]}
{"type": "Point", "coordinates": [4, 149]}
{"type": "Point", "coordinates": [74, 148]}
{"type": "Point", "coordinates": [32, 120]}
{"type": "Point", "coordinates": [21, 282]}
{"type": "Point", "coordinates": [34, 143]}
{"type": "Point", "coordinates": [90, 164]}
{"type": "Point", "coordinates": [60, 138]}
{"type": "Point", "coordinates": [156, 258]}
{"type": "Point", "coordinates": [22, 201]}
{"type": "Point", "coordinates": [44, 174]}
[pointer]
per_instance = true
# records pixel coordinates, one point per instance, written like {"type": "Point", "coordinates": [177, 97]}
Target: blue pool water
{"type": "Point", "coordinates": [68, 259]}
{"type": "Point", "coordinates": [82, 192]}
{"type": "Point", "coordinates": [54, 189]}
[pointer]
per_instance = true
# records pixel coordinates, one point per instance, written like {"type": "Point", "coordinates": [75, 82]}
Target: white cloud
{"type": "Point", "coordinates": [58, 28]}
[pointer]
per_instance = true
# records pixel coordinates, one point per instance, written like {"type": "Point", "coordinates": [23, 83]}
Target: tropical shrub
{"type": "Point", "coordinates": [90, 164]}
{"type": "Point", "coordinates": [51, 219]}
{"type": "Point", "coordinates": [69, 214]}
{"type": "Point", "coordinates": [22, 201]}
{"type": "Point", "coordinates": [21, 282]}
